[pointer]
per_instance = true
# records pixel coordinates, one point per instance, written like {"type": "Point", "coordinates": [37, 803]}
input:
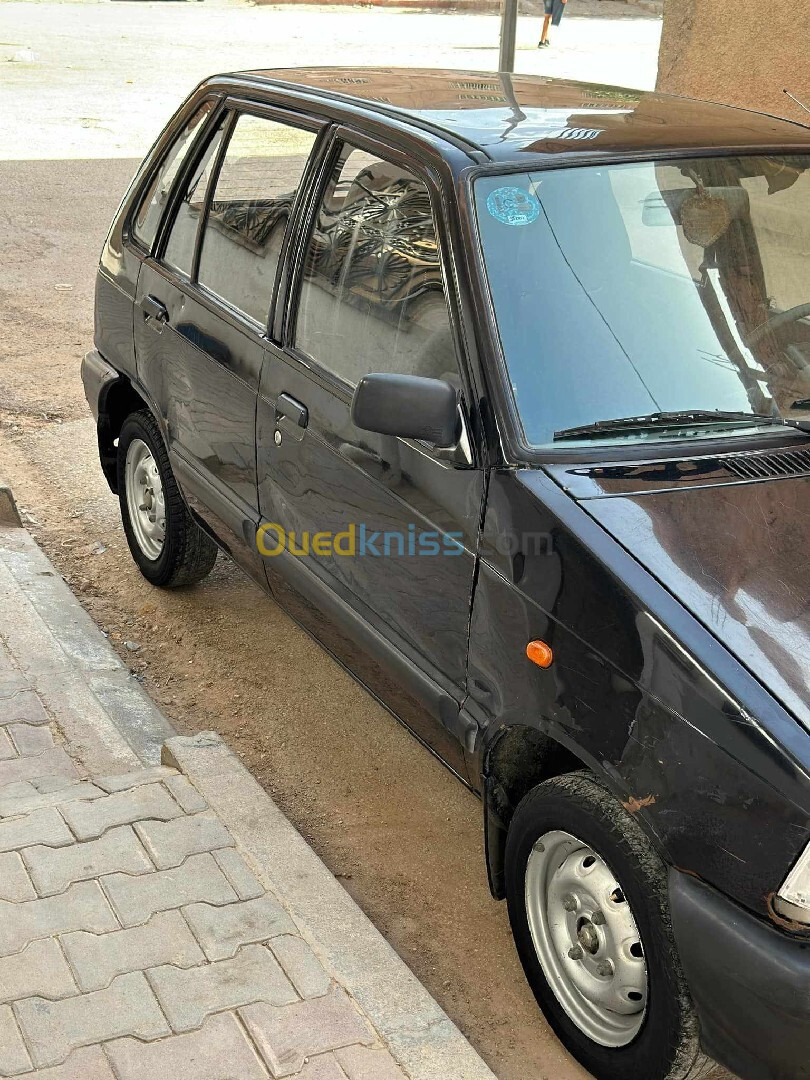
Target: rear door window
{"type": "Point", "coordinates": [179, 252]}
{"type": "Point", "coordinates": [147, 217]}
{"type": "Point", "coordinates": [249, 211]}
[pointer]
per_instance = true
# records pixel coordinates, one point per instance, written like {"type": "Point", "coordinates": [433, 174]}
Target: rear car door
{"type": "Point", "coordinates": [385, 527]}
{"type": "Point", "coordinates": [203, 304]}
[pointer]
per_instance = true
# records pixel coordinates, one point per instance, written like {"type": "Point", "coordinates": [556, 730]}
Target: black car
{"type": "Point", "coordinates": [501, 385]}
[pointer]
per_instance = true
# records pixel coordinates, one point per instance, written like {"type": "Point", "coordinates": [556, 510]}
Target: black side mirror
{"type": "Point", "coordinates": [408, 406]}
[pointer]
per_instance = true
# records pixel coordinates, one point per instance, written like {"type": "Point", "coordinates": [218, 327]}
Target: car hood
{"type": "Point", "coordinates": [734, 553]}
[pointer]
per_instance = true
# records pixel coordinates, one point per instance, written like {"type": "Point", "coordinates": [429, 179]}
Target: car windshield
{"type": "Point", "coordinates": [661, 291]}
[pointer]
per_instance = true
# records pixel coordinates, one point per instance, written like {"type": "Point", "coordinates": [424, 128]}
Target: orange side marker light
{"type": "Point", "coordinates": [539, 653]}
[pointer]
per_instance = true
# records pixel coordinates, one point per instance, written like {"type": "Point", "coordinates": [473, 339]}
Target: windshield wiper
{"type": "Point", "coordinates": [679, 419]}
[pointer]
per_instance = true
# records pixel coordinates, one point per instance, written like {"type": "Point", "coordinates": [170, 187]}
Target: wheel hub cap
{"type": "Point", "coordinates": [145, 499]}
{"type": "Point", "coordinates": [586, 939]}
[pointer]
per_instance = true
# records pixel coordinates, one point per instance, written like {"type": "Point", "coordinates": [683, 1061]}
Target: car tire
{"type": "Point", "coordinates": [168, 546]}
{"type": "Point", "coordinates": [588, 903]}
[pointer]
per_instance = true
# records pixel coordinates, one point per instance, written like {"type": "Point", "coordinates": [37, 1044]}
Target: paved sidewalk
{"type": "Point", "coordinates": [166, 918]}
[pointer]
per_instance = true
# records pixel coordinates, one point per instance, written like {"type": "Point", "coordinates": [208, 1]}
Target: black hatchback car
{"type": "Point", "coordinates": [502, 386]}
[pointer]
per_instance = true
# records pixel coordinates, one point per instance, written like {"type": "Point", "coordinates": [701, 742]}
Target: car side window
{"type": "Point", "coordinates": [372, 296]}
{"type": "Point", "coordinates": [249, 211]}
{"type": "Point", "coordinates": [147, 217]}
{"type": "Point", "coordinates": [179, 252]}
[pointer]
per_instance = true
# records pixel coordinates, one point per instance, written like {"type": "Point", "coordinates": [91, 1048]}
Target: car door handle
{"type": "Point", "coordinates": [292, 409]}
{"type": "Point", "coordinates": [152, 308]}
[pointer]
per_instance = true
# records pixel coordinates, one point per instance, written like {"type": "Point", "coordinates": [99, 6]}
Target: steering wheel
{"type": "Point", "coordinates": [782, 318]}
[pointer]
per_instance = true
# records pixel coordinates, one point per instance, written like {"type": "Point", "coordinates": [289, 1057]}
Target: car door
{"type": "Point", "coordinates": [379, 531]}
{"type": "Point", "coordinates": [202, 310]}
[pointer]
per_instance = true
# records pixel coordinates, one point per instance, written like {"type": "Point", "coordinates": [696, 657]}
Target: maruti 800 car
{"type": "Point", "coordinates": [501, 385]}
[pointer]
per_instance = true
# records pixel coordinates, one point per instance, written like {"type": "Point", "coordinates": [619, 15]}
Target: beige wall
{"type": "Point", "coordinates": [744, 52]}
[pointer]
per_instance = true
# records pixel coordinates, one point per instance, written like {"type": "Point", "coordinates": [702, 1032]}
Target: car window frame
{"type": "Point", "coordinates": [232, 107]}
{"type": "Point", "coordinates": [341, 134]}
{"type": "Point", "coordinates": [160, 150]}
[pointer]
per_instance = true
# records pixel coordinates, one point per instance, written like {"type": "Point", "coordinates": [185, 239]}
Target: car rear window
{"type": "Point", "coordinates": [249, 211]}
{"type": "Point", "coordinates": [147, 217]}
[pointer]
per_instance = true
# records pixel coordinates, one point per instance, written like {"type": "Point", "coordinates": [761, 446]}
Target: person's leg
{"type": "Point", "coordinates": [544, 35]}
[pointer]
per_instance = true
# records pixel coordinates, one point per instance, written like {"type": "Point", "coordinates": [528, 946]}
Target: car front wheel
{"type": "Point", "coordinates": [165, 541]}
{"type": "Point", "coordinates": [587, 896]}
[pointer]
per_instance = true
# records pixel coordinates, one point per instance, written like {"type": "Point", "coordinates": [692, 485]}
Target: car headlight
{"type": "Point", "coordinates": [793, 899]}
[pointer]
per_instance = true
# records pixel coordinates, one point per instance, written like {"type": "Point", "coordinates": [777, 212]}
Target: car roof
{"type": "Point", "coordinates": [504, 117]}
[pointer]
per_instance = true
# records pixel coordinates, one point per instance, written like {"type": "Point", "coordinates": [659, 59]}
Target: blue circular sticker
{"type": "Point", "coordinates": [513, 206]}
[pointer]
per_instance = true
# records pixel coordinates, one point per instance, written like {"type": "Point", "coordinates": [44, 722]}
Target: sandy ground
{"type": "Point", "coordinates": [399, 831]}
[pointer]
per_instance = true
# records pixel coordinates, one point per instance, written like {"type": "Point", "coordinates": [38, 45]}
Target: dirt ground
{"type": "Point", "coordinates": [403, 835]}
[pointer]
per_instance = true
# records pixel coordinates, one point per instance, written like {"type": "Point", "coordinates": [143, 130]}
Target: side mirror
{"type": "Point", "coordinates": [407, 406]}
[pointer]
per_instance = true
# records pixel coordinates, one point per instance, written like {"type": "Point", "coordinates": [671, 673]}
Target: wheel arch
{"type": "Point", "coordinates": [515, 760]}
{"type": "Point", "coordinates": [118, 400]}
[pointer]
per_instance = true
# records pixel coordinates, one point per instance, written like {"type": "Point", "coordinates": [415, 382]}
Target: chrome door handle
{"type": "Point", "coordinates": [292, 409]}
{"type": "Point", "coordinates": [152, 308]}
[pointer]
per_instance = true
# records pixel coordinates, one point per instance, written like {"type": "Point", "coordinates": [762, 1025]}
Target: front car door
{"type": "Point", "coordinates": [386, 528]}
{"type": "Point", "coordinates": [203, 304]}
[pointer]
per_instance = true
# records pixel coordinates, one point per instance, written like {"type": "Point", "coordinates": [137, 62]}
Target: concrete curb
{"type": "Point", "coordinates": [420, 1035]}
{"type": "Point", "coordinates": [9, 515]}
{"type": "Point", "coordinates": [102, 709]}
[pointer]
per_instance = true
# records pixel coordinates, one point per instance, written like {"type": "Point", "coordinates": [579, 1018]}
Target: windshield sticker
{"type": "Point", "coordinates": [513, 206]}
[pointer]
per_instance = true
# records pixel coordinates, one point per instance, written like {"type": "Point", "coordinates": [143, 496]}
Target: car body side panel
{"type": "Point", "coordinates": [114, 300]}
{"type": "Point", "coordinates": [628, 700]}
{"type": "Point", "coordinates": [203, 372]}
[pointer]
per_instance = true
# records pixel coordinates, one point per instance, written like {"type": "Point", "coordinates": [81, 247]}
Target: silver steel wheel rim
{"type": "Point", "coordinates": [586, 938]}
{"type": "Point", "coordinates": [145, 499]}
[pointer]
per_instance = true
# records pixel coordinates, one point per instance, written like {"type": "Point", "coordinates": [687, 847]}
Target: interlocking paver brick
{"type": "Point", "coordinates": [52, 762]}
{"type": "Point", "coordinates": [91, 819]}
{"type": "Point", "coordinates": [40, 968]}
{"type": "Point", "coordinates": [188, 996]}
{"type": "Point", "coordinates": [186, 794]}
{"type": "Point", "coordinates": [22, 798]}
{"type": "Point", "coordinates": [239, 874]}
{"type": "Point", "coordinates": [170, 842]}
{"type": "Point", "coordinates": [7, 747]}
{"type": "Point", "coordinates": [287, 1036]}
{"type": "Point", "coordinates": [89, 1063]}
{"type": "Point", "coordinates": [21, 706]}
{"type": "Point", "coordinates": [53, 783]}
{"type": "Point", "coordinates": [218, 1051]}
{"type": "Point", "coordinates": [124, 781]}
{"type": "Point", "coordinates": [80, 907]}
{"type": "Point", "coordinates": [14, 1057]}
{"type": "Point", "coordinates": [323, 1067]}
{"type": "Point", "coordinates": [301, 966]}
{"type": "Point", "coordinates": [117, 850]}
{"type": "Point", "coordinates": [12, 681]}
{"type": "Point", "coordinates": [98, 958]}
{"type": "Point", "coordinates": [39, 827]}
{"type": "Point", "coordinates": [136, 899]}
{"type": "Point", "coordinates": [53, 1028]}
{"type": "Point", "coordinates": [15, 883]}
{"type": "Point", "coordinates": [223, 930]}
{"type": "Point", "coordinates": [18, 789]}
{"type": "Point", "coordinates": [363, 1063]}
{"type": "Point", "coordinates": [30, 738]}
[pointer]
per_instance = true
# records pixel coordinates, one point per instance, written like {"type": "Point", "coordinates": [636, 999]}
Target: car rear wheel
{"type": "Point", "coordinates": [165, 541]}
{"type": "Point", "coordinates": [588, 904]}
